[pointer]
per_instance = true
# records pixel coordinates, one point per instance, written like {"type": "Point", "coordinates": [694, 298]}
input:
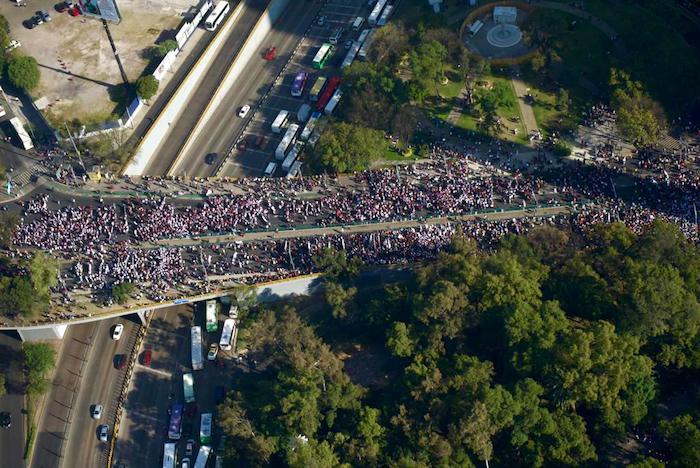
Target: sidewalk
{"type": "Point", "coordinates": [526, 111]}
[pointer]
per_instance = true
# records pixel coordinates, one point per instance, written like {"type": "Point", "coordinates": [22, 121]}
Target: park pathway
{"type": "Point", "coordinates": [526, 111]}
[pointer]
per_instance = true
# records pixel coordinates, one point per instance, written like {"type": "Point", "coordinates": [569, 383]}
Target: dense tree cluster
{"type": "Point", "coordinates": [25, 287]}
{"type": "Point", "coordinates": [639, 117]}
{"type": "Point", "coordinates": [549, 351]}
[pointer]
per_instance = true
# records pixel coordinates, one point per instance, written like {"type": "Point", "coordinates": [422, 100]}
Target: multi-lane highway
{"type": "Point", "coordinates": [183, 125]}
{"type": "Point", "coordinates": [296, 35]}
{"type": "Point", "coordinates": [12, 438]}
{"type": "Point", "coordinates": [67, 434]}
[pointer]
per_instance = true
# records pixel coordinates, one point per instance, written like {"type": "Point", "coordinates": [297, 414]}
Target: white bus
{"type": "Point", "coordinates": [291, 156]}
{"type": "Point", "coordinates": [270, 169]}
{"type": "Point", "coordinates": [362, 53]}
{"type": "Point", "coordinates": [294, 170]}
{"type": "Point", "coordinates": [211, 316]}
{"type": "Point", "coordinates": [363, 36]}
{"type": "Point", "coordinates": [330, 107]}
{"type": "Point", "coordinates": [205, 428]}
{"type": "Point", "coordinates": [188, 387]}
{"type": "Point", "coordinates": [385, 15]}
{"type": "Point", "coordinates": [169, 455]}
{"type": "Point", "coordinates": [202, 457]}
{"type": "Point", "coordinates": [227, 334]}
{"type": "Point", "coordinates": [350, 57]}
{"type": "Point", "coordinates": [309, 127]}
{"type": "Point", "coordinates": [376, 11]}
{"type": "Point", "coordinates": [196, 336]}
{"type": "Point", "coordinates": [287, 140]}
{"type": "Point", "coordinates": [280, 121]}
{"type": "Point", "coordinates": [217, 15]}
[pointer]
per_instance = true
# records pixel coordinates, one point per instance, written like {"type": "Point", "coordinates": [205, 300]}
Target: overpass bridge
{"type": "Point", "coordinates": [266, 292]}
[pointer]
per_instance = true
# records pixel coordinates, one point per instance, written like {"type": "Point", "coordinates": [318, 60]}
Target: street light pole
{"type": "Point", "coordinates": [116, 54]}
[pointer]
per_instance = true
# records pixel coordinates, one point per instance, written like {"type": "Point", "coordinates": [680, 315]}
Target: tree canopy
{"type": "Point", "coordinates": [147, 87]}
{"type": "Point", "coordinates": [345, 147]}
{"type": "Point", "coordinates": [23, 72]}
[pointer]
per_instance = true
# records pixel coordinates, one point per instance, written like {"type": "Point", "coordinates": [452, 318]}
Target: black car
{"type": "Point", "coordinates": [5, 419]}
{"type": "Point", "coordinates": [210, 158]}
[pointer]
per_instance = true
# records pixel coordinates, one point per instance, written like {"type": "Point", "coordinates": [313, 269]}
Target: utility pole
{"type": "Point", "coordinates": [116, 54]}
{"type": "Point", "coordinates": [75, 147]}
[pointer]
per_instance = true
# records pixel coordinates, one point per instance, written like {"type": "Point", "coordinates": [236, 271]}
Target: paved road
{"type": "Point", "coordinates": [101, 384]}
{"type": "Point", "coordinates": [12, 439]}
{"type": "Point", "coordinates": [184, 124]}
{"type": "Point", "coordinates": [223, 128]}
{"type": "Point", "coordinates": [154, 388]}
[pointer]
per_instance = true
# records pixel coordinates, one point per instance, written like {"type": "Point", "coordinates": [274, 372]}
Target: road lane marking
{"type": "Point", "coordinates": [155, 371]}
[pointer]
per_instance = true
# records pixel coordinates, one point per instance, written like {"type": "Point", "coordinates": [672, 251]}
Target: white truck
{"type": "Point", "coordinates": [280, 121]}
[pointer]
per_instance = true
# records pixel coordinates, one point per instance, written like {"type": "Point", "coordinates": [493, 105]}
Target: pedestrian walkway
{"type": "Point", "coordinates": [457, 107]}
{"type": "Point", "coordinates": [526, 111]}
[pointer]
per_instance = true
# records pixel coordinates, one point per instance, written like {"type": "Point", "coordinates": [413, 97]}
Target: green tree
{"type": "Point", "coordinates": [389, 44]}
{"type": "Point", "coordinates": [562, 148]}
{"type": "Point", "coordinates": [427, 64]}
{"type": "Point", "coordinates": [43, 271]}
{"type": "Point", "coordinates": [39, 359]}
{"type": "Point", "coordinates": [23, 72]}
{"type": "Point", "coordinates": [339, 298]}
{"type": "Point", "coordinates": [346, 147]}
{"type": "Point", "coordinates": [121, 291]}
{"type": "Point", "coordinates": [639, 117]}
{"type": "Point", "coordinates": [17, 296]}
{"type": "Point", "coordinates": [399, 340]}
{"type": "Point", "coordinates": [562, 101]}
{"type": "Point", "coordinates": [312, 454]}
{"type": "Point", "coordinates": [8, 225]}
{"type": "Point", "coordinates": [147, 87]}
{"type": "Point", "coordinates": [336, 265]}
{"type": "Point", "coordinates": [3, 388]}
{"type": "Point", "coordinates": [167, 46]}
{"type": "Point", "coordinates": [538, 62]}
{"type": "Point", "coordinates": [683, 437]}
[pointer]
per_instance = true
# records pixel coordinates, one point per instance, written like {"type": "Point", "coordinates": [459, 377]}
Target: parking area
{"type": "Point", "coordinates": [158, 385]}
{"type": "Point", "coordinates": [256, 146]}
{"type": "Point", "coordinates": [79, 75]}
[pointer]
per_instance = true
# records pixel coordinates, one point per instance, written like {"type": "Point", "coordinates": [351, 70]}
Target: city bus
{"type": "Point", "coordinates": [323, 54]}
{"type": "Point", "coordinates": [362, 53]}
{"type": "Point", "coordinates": [333, 102]}
{"type": "Point", "coordinates": [385, 15]}
{"type": "Point", "coordinates": [175, 426]}
{"type": "Point", "coordinates": [211, 316]}
{"type": "Point", "coordinates": [363, 36]}
{"type": "Point", "coordinates": [217, 15]}
{"type": "Point", "coordinates": [306, 133]}
{"type": "Point", "coordinates": [290, 136]}
{"type": "Point", "coordinates": [202, 457]}
{"type": "Point", "coordinates": [317, 88]}
{"type": "Point", "coordinates": [350, 57]}
{"type": "Point", "coordinates": [188, 387]}
{"type": "Point", "coordinates": [299, 84]}
{"type": "Point", "coordinates": [328, 91]}
{"type": "Point", "coordinates": [280, 121]}
{"type": "Point", "coordinates": [227, 334]}
{"type": "Point", "coordinates": [205, 428]}
{"type": "Point", "coordinates": [196, 335]}
{"type": "Point", "coordinates": [376, 12]}
{"type": "Point", "coordinates": [169, 455]}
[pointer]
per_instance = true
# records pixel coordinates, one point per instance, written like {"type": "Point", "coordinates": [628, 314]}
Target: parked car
{"type": "Point", "coordinates": [117, 332]}
{"type": "Point", "coordinates": [185, 463]}
{"type": "Point", "coordinates": [5, 419]}
{"type": "Point", "coordinates": [119, 361]}
{"type": "Point", "coordinates": [260, 141]}
{"type": "Point", "coordinates": [29, 23]}
{"type": "Point", "coordinates": [146, 357]}
{"type": "Point", "coordinates": [14, 43]}
{"type": "Point", "coordinates": [321, 20]}
{"type": "Point", "coordinates": [189, 448]}
{"type": "Point", "coordinates": [44, 15]}
{"type": "Point", "coordinates": [38, 19]}
{"type": "Point", "coordinates": [348, 44]}
{"type": "Point", "coordinates": [213, 351]}
{"type": "Point", "coordinates": [244, 111]}
{"type": "Point", "coordinates": [96, 411]}
{"type": "Point", "coordinates": [104, 432]}
{"type": "Point", "coordinates": [271, 53]}
{"type": "Point", "coordinates": [75, 11]}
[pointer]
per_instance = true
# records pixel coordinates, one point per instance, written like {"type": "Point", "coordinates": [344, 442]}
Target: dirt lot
{"type": "Point", "coordinates": [79, 75]}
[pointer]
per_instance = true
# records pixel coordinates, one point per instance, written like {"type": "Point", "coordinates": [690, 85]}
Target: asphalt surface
{"type": "Point", "coordinates": [184, 124]}
{"type": "Point", "coordinates": [12, 439]}
{"type": "Point", "coordinates": [100, 383]}
{"type": "Point", "coordinates": [154, 388]}
{"type": "Point", "coordinates": [252, 160]}
{"type": "Point", "coordinates": [223, 128]}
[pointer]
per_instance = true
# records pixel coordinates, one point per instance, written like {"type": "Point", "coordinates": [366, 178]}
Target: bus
{"type": "Point", "coordinates": [294, 170]}
{"type": "Point", "coordinates": [175, 426]}
{"type": "Point", "coordinates": [350, 57]}
{"type": "Point", "coordinates": [299, 84]}
{"type": "Point", "coordinates": [169, 455]}
{"type": "Point", "coordinates": [306, 133]}
{"type": "Point", "coordinates": [385, 15]}
{"type": "Point", "coordinates": [202, 457]}
{"type": "Point", "coordinates": [323, 54]}
{"type": "Point", "coordinates": [212, 322]}
{"type": "Point", "coordinates": [291, 156]}
{"type": "Point", "coordinates": [333, 102]}
{"type": "Point", "coordinates": [376, 11]}
{"type": "Point", "coordinates": [205, 428]}
{"type": "Point", "coordinates": [328, 91]}
{"type": "Point", "coordinates": [280, 121]}
{"type": "Point", "coordinates": [317, 88]}
{"type": "Point", "coordinates": [196, 335]}
{"type": "Point", "coordinates": [288, 139]}
{"type": "Point", "coordinates": [188, 387]}
{"type": "Point", "coordinates": [364, 48]}
{"type": "Point", "coordinates": [363, 36]}
{"type": "Point", "coordinates": [217, 15]}
{"type": "Point", "coordinates": [227, 334]}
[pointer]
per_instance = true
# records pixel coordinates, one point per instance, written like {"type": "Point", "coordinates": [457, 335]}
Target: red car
{"type": "Point", "coordinates": [260, 141]}
{"type": "Point", "coordinates": [146, 357]}
{"type": "Point", "coordinates": [271, 53]}
{"type": "Point", "coordinates": [75, 11]}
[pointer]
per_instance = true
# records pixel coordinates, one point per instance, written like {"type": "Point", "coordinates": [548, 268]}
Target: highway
{"type": "Point", "coordinates": [184, 124]}
{"type": "Point", "coordinates": [12, 438]}
{"type": "Point", "coordinates": [100, 384]}
{"type": "Point", "coordinates": [221, 131]}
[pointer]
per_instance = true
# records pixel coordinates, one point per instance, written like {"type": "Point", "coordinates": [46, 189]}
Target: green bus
{"type": "Point", "coordinates": [323, 54]}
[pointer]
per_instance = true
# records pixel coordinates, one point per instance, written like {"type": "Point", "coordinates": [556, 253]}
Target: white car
{"type": "Point", "coordinates": [14, 43]}
{"type": "Point", "coordinates": [244, 111]}
{"type": "Point", "coordinates": [117, 332]}
{"type": "Point", "coordinates": [104, 432]}
{"type": "Point", "coordinates": [185, 463]}
{"type": "Point", "coordinates": [213, 351]}
{"type": "Point", "coordinates": [96, 412]}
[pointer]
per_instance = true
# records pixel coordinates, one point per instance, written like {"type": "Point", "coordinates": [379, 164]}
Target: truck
{"type": "Point", "coordinates": [333, 103]}
{"type": "Point", "coordinates": [364, 48]}
{"type": "Point", "coordinates": [376, 12]}
{"type": "Point", "coordinates": [350, 56]}
{"type": "Point", "coordinates": [309, 127]}
{"type": "Point", "coordinates": [287, 140]}
{"type": "Point", "coordinates": [292, 156]}
{"type": "Point", "coordinates": [280, 121]}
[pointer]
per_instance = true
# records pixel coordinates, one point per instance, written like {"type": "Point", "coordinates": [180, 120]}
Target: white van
{"type": "Point", "coordinates": [357, 24]}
